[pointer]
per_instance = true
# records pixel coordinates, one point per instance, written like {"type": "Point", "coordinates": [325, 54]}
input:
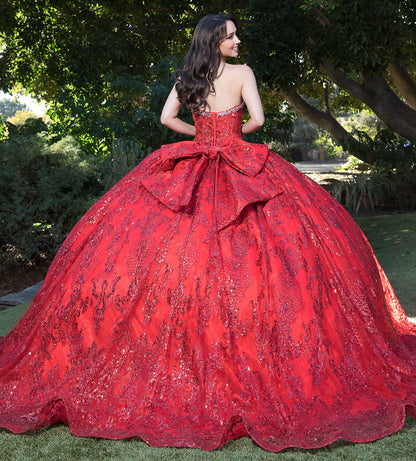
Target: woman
{"type": "Point", "coordinates": [215, 292]}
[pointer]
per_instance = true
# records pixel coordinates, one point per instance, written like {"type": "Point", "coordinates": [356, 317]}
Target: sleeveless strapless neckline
{"type": "Point", "coordinates": [223, 112]}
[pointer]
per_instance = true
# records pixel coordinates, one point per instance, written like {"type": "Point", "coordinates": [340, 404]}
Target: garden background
{"type": "Point", "coordinates": [337, 80]}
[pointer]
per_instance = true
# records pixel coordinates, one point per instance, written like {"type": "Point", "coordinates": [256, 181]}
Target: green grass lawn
{"type": "Point", "coordinates": [394, 241]}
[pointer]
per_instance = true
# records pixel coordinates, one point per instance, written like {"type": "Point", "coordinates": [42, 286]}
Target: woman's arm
{"type": "Point", "coordinates": [251, 97]}
{"type": "Point", "coordinates": [169, 116]}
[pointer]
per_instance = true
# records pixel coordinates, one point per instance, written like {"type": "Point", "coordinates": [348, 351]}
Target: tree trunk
{"type": "Point", "coordinates": [328, 123]}
{"type": "Point", "coordinates": [378, 96]}
{"type": "Point", "coordinates": [326, 99]}
{"type": "Point", "coordinates": [404, 83]}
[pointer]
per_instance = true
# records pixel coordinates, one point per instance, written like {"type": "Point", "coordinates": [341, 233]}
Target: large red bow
{"type": "Point", "coordinates": [241, 176]}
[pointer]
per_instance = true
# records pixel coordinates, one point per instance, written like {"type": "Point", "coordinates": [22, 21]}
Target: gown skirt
{"type": "Point", "coordinates": [215, 292]}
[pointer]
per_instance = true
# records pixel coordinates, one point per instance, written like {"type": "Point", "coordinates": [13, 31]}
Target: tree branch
{"type": "Point", "coordinates": [338, 77]}
{"type": "Point", "coordinates": [319, 15]}
{"type": "Point", "coordinates": [328, 123]}
{"type": "Point", "coordinates": [404, 83]}
{"type": "Point", "coordinates": [379, 97]}
{"type": "Point", "coordinates": [320, 118]}
{"type": "Point", "coordinates": [388, 106]}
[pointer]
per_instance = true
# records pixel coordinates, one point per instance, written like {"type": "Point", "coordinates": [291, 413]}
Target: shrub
{"type": "Point", "coordinates": [125, 155]}
{"type": "Point", "coordinates": [390, 183]}
{"type": "Point", "coordinates": [354, 164]}
{"type": "Point", "coordinates": [363, 191]}
{"type": "Point", "coordinates": [379, 188]}
{"type": "Point", "coordinates": [44, 189]}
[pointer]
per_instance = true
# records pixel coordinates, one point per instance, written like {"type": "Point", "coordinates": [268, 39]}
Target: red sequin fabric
{"type": "Point", "coordinates": [215, 292]}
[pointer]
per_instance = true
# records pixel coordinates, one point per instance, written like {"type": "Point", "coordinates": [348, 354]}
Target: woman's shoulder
{"type": "Point", "coordinates": [240, 72]}
{"type": "Point", "coordinates": [242, 69]}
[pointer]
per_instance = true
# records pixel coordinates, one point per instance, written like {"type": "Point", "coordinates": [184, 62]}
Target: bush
{"type": "Point", "coordinates": [379, 188]}
{"type": "Point", "coordinates": [354, 164]}
{"type": "Point", "coordinates": [389, 184]}
{"type": "Point", "coordinates": [363, 191]}
{"type": "Point", "coordinates": [44, 189]}
{"type": "Point", "coordinates": [125, 155]}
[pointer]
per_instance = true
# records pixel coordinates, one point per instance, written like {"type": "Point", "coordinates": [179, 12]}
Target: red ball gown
{"type": "Point", "coordinates": [214, 292]}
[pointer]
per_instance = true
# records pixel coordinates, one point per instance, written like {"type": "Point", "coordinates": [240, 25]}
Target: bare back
{"type": "Point", "coordinates": [228, 89]}
{"type": "Point", "coordinates": [236, 83]}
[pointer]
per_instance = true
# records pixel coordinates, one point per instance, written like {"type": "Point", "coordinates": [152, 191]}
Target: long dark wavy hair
{"type": "Point", "coordinates": [195, 80]}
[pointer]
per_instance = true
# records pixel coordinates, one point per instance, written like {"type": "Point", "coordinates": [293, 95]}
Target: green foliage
{"type": "Point", "coordinates": [47, 182]}
{"type": "Point", "coordinates": [362, 121]}
{"type": "Point", "coordinates": [285, 151]}
{"type": "Point", "coordinates": [337, 53]}
{"type": "Point", "coordinates": [125, 155]}
{"type": "Point", "coordinates": [21, 116]}
{"type": "Point", "coordinates": [304, 134]}
{"type": "Point", "coordinates": [327, 143]}
{"type": "Point", "coordinates": [3, 130]}
{"type": "Point", "coordinates": [307, 137]}
{"type": "Point", "coordinates": [277, 128]}
{"type": "Point", "coordinates": [8, 108]}
{"type": "Point", "coordinates": [355, 164]}
{"type": "Point", "coordinates": [389, 150]}
{"type": "Point", "coordinates": [390, 184]}
{"type": "Point", "coordinates": [131, 110]}
{"type": "Point", "coordinates": [99, 63]}
{"type": "Point", "coordinates": [30, 127]}
{"type": "Point", "coordinates": [44, 189]}
{"type": "Point", "coordinates": [363, 191]}
{"type": "Point", "coordinates": [275, 33]}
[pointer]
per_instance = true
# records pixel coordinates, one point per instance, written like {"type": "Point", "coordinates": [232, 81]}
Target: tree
{"type": "Point", "coordinates": [99, 61]}
{"type": "Point", "coordinates": [8, 108]}
{"type": "Point", "coordinates": [344, 54]}
{"type": "Point", "coordinates": [21, 116]}
{"type": "Point", "coordinates": [96, 62]}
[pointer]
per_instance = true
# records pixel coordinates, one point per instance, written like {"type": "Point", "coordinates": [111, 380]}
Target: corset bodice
{"type": "Point", "coordinates": [219, 128]}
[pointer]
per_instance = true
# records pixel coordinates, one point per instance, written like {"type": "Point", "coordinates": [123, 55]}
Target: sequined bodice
{"type": "Point", "coordinates": [218, 128]}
